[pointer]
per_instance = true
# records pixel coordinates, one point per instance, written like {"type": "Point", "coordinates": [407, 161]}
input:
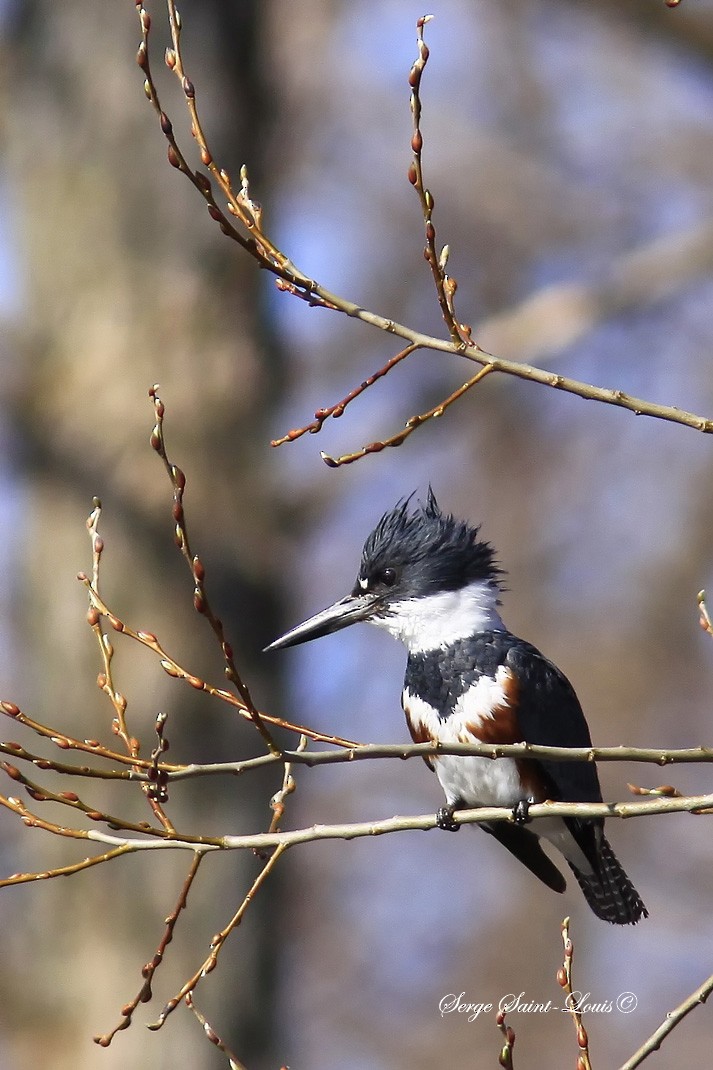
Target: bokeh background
{"type": "Point", "coordinates": [569, 148]}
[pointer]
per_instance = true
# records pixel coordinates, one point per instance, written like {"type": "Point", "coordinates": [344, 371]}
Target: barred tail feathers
{"type": "Point", "coordinates": [609, 892]}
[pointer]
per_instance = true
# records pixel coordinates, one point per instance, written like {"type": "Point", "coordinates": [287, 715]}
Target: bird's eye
{"type": "Point", "coordinates": [388, 577]}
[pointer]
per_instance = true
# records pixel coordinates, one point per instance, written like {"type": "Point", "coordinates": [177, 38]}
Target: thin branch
{"type": "Point", "coordinates": [335, 411]}
{"type": "Point", "coordinates": [505, 1058]}
{"type": "Point", "coordinates": [105, 679]}
{"type": "Point", "coordinates": [411, 425]}
{"type": "Point", "coordinates": [405, 751]}
{"type": "Point", "coordinates": [220, 938]}
{"type": "Point", "coordinates": [64, 871]}
{"type": "Point", "coordinates": [445, 287]}
{"type": "Point", "coordinates": [294, 281]}
{"type": "Point", "coordinates": [66, 742]}
{"type": "Point", "coordinates": [174, 669]}
{"type": "Point", "coordinates": [672, 1019]}
{"type": "Point", "coordinates": [200, 596]}
{"type": "Point", "coordinates": [260, 841]}
{"type": "Point", "coordinates": [145, 993]}
{"type": "Point", "coordinates": [41, 794]}
{"type": "Point", "coordinates": [212, 1036]}
{"type": "Point", "coordinates": [564, 979]}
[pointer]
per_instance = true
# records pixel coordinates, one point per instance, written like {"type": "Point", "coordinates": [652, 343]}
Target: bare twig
{"type": "Point", "coordinates": [200, 595]}
{"type": "Point", "coordinates": [213, 1037]}
{"type": "Point", "coordinates": [277, 802]}
{"type": "Point", "coordinates": [672, 1019]}
{"type": "Point", "coordinates": [411, 425]}
{"type": "Point", "coordinates": [256, 243]}
{"type": "Point", "coordinates": [105, 679]}
{"type": "Point", "coordinates": [335, 411]}
{"type": "Point", "coordinates": [174, 669]}
{"type": "Point", "coordinates": [145, 993]}
{"type": "Point", "coordinates": [64, 871]}
{"type": "Point", "coordinates": [505, 1056]}
{"type": "Point", "coordinates": [219, 939]}
{"type": "Point", "coordinates": [445, 286]}
{"type": "Point", "coordinates": [261, 841]}
{"type": "Point", "coordinates": [564, 979]}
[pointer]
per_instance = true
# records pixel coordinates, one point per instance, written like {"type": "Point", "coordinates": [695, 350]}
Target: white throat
{"type": "Point", "coordinates": [437, 620]}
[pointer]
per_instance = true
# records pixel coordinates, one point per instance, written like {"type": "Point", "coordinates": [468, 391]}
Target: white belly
{"type": "Point", "coordinates": [477, 781]}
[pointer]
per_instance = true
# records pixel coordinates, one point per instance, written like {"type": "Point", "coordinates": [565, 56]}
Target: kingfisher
{"type": "Point", "coordinates": [429, 580]}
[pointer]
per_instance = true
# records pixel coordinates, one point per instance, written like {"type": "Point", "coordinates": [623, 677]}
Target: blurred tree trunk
{"type": "Point", "coordinates": [127, 283]}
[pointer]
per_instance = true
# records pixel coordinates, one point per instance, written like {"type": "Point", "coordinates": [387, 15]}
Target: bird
{"type": "Point", "coordinates": [432, 582]}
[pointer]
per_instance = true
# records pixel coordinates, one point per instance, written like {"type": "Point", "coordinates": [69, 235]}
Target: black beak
{"type": "Point", "coordinates": [349, 610]}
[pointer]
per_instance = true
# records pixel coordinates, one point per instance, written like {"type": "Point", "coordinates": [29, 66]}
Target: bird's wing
{"type": "Point", "coordinates": [549, 715]}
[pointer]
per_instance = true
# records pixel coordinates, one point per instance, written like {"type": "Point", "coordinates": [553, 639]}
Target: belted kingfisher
{"type": "Point", "coordinates": [428, 579]}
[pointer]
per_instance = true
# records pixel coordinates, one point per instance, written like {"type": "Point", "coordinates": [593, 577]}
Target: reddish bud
{"type": "Point", "coordinates": [60, 742]}
{"type": "Point", "coordinates": [94, 815]}
{"type": "Point", "coordinates": [178, 477]}
{"type": "Point", "coordinates": [417, 142]}
{"type": "Point", "coordinates": [414, 77]}
{"type": "Point", "coordinates": [198, 570]}
{"type": "Point", "coordinates": [562, 977]}
{"type": "Point", "coordinates": [194, 681]}
{"type": "Point", "coordinates": [189, 88]}
{"type": "Point", "coordinates": [215, 213]}
{"type": "Point", "coordinates": [10, 708]}
{"type": "Point", "coordinates": [430, 233]}
{"type": "Point", "coordinates": [70, 796]}
{"type": "Point", "coordinates": [206, 157]}
{"type": "Point", "coordinates": [582, 1038]}
{"type": "Point", "coordinates": [12, 771]}
{"type": "Point", "coordinates": [173, 157]}
{"type": "Point", "coordinates": [199, 601]}
{"type": "Point", "coordinates": [92, 616]}
{"type": "Point", "coordinates": [412, 174]}
{"type": "Point", "coordinates": [141, 56]}
{"type": "Point", "coordinates": [98, 544]}
{"type": "Point", "coordinates": [116, 623]}
{"type": "Point", "coordinates": [177, 512]}
{"type": "Point", "coordinates": [170, 58]}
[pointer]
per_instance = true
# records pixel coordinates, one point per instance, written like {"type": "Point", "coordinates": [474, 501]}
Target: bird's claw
{"type": "Point", "coordinates": [521, 811]}
{"type": "Point", "coordinates": [445, 819]}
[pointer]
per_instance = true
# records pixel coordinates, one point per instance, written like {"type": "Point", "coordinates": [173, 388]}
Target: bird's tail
{"type": "Point", "coordinates": [608, 890]}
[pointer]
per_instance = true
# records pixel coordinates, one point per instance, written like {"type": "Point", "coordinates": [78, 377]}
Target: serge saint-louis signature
{"type": "Point", "coordinates": [514, 1002]}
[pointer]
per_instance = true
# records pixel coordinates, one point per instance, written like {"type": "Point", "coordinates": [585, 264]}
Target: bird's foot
{"type": "Point", "coordinates": [445, 819]}
{"type": "Point", "coordinates": [521, 811]}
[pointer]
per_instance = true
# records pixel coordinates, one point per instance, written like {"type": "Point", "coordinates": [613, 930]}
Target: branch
{"type": "Point", "coordinates": [261, 841]}
{"type": "Point", "coordinates": [564, 979]}
{"type": "Point", "coordinates": [672, 1019]}
{"type": "Point", "coordinates": [219, 939]}
{"type": "Point", "coordinates": [145, 992]}
{"type": "Point", "coordinates": [174, 669]}
{"type": "Point", "coordinates": [201, 603]}
{"type": "Point", "coordinates": [291, 279]}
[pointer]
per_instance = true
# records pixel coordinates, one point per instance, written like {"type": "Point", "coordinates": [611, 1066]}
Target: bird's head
{"type": "Point", "coordinates": [424, 576]}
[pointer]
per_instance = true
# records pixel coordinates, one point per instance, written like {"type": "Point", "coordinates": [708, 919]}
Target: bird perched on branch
{"type": "Point", "coordinates": [429, 580]}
